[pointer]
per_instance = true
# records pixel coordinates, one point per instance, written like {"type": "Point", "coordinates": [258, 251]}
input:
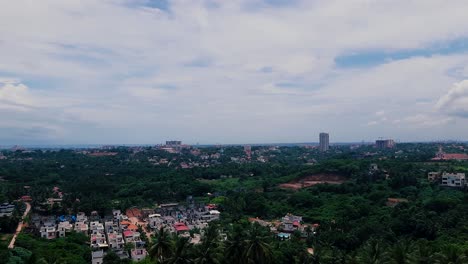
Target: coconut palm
{"type": "Point", "coordinates": [400, 253]}
{"type": "Point", "coordinates": [451, 255]}
{"type": "Point", "coordinates": [235, 246]}
{"type": "Point", "coordinates": [373, 252]}
{"type": "Point", "coordinates": [423, 253]}
{"type": "Point", "coordinates": [181, 254]}
{"type": "Point", "coordinates": [161, 249]}
{"type": "Point", "coordinates": [258, 249]}
{"type": "Point", "coordinates": [209, 252]}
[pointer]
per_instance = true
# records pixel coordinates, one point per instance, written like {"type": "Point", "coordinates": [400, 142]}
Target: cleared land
{"type": "Point", "coordinates": [311, 180]}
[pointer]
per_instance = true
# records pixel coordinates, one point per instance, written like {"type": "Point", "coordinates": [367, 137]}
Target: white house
{"type": "Point", "coordinates": [139, 254]}
{"type": "Point", "coordinates": [48, 232]}
{"type": "Point", "coordinates": [97, 257]}
{"type": "Point", "coordinates": [155, 220]}
{"type": "Point", "coordinates": [63, 228]}
{"type": "Point", "coordinates": [453, 179]}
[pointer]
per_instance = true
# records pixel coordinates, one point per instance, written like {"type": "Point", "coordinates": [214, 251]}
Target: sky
{"type": "Point", "coordinates": [237, 71]}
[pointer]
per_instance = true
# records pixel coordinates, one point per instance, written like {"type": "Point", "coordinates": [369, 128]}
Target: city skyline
{"type": "Point", "coordinates": [242, 71]}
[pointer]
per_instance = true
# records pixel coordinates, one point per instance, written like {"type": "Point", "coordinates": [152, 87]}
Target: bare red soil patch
{"type": "Point", "coordinates": [315, 179]}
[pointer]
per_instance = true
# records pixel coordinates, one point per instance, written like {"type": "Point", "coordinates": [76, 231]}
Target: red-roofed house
{"type": "Point", "coordinates": [181, 227]}
{"type": "Point", "coordinates": [128, 233]}
{"type": "Point", "coordinates": [132, 227]}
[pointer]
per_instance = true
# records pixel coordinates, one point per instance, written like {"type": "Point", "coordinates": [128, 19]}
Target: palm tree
{"type": "Point", "coordinates": [161, 249]}
{"type": "Point", "coordinates": [451, 255]}
{"type": "Point", "coordinates": [401, 253]}
{"type": "Point", "coordinates": [258, 250]}
{"type": "Point", "coordinates": [373, 253]}
{"type": "Point", "coordinates": [424, 253]}
{"type": "Point", "coordinates": [181, 253]}
{"type": "Point", "coordinates": [235, 246]}
{"type": "Point", "coordinates": [209, 252]}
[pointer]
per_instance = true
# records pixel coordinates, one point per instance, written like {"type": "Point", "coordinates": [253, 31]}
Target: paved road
{"type": "Point", "coordinates": [20, 226]}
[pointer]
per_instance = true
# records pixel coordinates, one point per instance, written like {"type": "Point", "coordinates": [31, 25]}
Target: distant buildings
{"type": "Point", "coordinates": [173, 143]}
{"type": "Point", "coordinates": [441, 155]}
{"type": "Point", "coordinates": [248, 150]}
{"type": "Point", "coordinates": [324, 142]}
{"type": "Point", "coordinates": [385, 143]}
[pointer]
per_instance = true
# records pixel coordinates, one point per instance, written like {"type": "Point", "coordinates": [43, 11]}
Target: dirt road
{"type": "Point", "coordinates": [20, 226]}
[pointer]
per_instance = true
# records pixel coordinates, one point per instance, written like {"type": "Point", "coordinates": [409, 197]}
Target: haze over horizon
{"type": "Point", "coordinates": [240, 71]}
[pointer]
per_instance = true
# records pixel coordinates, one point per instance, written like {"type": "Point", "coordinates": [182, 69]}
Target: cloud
{"type": "Point", "coordinates": [15, 96]}
{"type": "Point", "coordinates": [422, 120]}
{"type": "Point", "coordinates": [455, 101]}
{"type": "Point", "coordinates": [228, 71]}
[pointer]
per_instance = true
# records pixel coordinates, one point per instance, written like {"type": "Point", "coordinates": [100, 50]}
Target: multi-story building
{"type": "Point", "coordinates": [48, 232]}
{"type": "Point", "coordinates": [6, 209]}
{"type": "Point", "coordinates": [173, 143]}
{"type": "Point", "coordinates": [433, 176]}
{"type": "Point", "coordinates": [63, 228]}
{"type": "Point", "coordinates": [453, 179]}
{"type": "Point", "coordinates": [81, 227]}
{"type": "Point", "coordinates": [290, 223]}
{"type": "Point", "coordinates": [385, 143]}
{"type": "Point", "coordinates": [138, 254]}
{"type": "Point", "coordinates": [324, 141]}
{"type": "Point", "coordinates": [98, 241]}
{"type": "Point", "coordinates": [116, 240]}
{"type": "Point", "coordinates": [96, 227]}
{"type": "Point", "coordinates": [155, 221]}
{"type": "Point", "coordinates": [97, 257]}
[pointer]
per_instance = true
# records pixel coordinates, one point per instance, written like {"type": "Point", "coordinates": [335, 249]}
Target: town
{"type": "Point", "coordinates": [184, 190]}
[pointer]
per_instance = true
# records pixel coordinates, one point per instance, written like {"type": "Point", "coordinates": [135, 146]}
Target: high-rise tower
{"type": "Point", "coordinates": [324, 141]}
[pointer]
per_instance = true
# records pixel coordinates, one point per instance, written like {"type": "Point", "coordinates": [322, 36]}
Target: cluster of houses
{"type": "Point", "coordinates": [287, 225]}
{"type": "Point", "coordinates": [119, 230]}
{"type": "Point", "coordinates": [181, 219]}
{"type": "Point", "coordinates": [447, 179]}
{"type": "Point", "coordinates": [109, 233]}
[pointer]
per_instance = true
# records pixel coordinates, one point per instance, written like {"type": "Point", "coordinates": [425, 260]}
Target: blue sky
{"type": "Point", "coordinates": [240, 71]}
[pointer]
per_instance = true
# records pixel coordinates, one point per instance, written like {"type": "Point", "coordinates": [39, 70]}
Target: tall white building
{"type": "Point", "coordinates": [324, 141]}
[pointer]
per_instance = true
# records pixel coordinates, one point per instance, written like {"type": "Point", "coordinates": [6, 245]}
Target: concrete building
{"type": "Point", "coordinates": [138, 254]}
{"type": "Point", "coordinates": [173, 143]}
{"type": "Point", "coordinates": [97, 257]}
{"type": "Point", "coordinates": [48, 232]}
{"type": "Point", "coordinates": [453, 179]}
{"type": "Point", "coordinates": [63, 228]}
{"type": "Point", "coordinates": [433, 176]}
{"type": "Point", "coordinates": [385, 143]}
{"type": "Point", "coordinates": [6, 209]}
{"type": "Point", "coordinates": [324, 141]}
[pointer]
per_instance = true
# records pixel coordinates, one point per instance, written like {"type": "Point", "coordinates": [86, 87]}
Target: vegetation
{"type": "Point", "coordinates": [356, 224]}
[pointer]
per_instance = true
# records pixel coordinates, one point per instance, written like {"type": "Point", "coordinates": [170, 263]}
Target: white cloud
{"type": "Point", "coordinates": [15, 95]}
{"type": "Point", "coordinates": [455, 101]}
{"type": "Point", "coordinates": [213, 71]}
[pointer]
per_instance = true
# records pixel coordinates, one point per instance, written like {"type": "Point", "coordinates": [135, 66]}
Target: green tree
{"type": "Point", "coordinates": [258, 250]}
{"type": "Point", "coordinates": [209, 251]}
{"type": "Point", "coordinates": [181, 253]}
{"type": "Point", "coordinates": [373, 252]}
{"type": "Point", "coordinates": [161, 249]}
